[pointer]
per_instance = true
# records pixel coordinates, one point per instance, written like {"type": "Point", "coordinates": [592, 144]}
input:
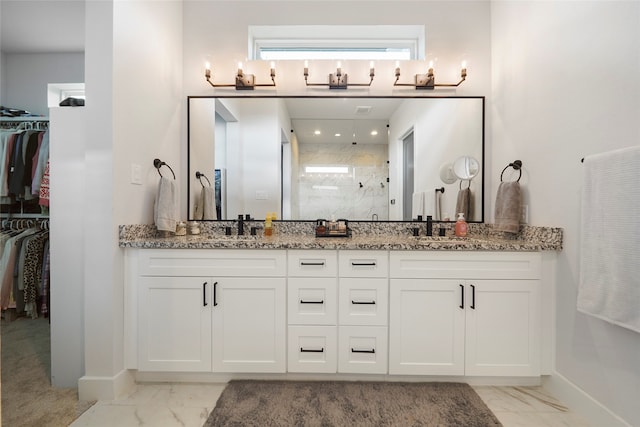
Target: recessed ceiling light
{"type": "Point", "coordinates": [316, 132]}
{"type": "Point", "coordinates": [374, 132]}
{"type": "Point", "coordinates": [337, 134]}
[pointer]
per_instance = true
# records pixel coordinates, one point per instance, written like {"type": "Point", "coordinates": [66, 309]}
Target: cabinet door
{"type": "Point", "coordinates": [503, 328]}
{"type": "Point", "coordinates": [249, 325]}
{"type": "Point", "coordinates": [174, 321]}
{"type": "Point", "coordinates": [426, 335]}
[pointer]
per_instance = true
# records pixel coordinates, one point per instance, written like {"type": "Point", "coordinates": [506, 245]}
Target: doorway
{"type": "Point", "coordinates": [407, 176]}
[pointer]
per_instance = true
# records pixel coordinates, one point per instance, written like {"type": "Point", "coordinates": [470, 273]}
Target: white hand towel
{"type": "Point", "coordinates": [209, 203]}
{"type": "Point", "coordinates": [165, 209]}
{"type": "Point", "coordinates": [609, 286]}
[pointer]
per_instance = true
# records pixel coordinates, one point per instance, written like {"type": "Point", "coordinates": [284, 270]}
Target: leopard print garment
{"type": "Point", "coordinates": [33, 271]}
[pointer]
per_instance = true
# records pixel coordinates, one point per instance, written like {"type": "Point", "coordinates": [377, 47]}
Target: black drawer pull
{"type": "Point", "coordinates": [215, 301]}
{"type": "Point", "coordinates": [311, 350]}
{"type": "Point", "coordinates": [311, 263]}
{"type": "Point", "coordinates": [372, 351]}
{"type": "Point", "coordinates": [473, 297]}
{"type": "Point", "coordinates": [204, 294]}
{"type": "Point", "coordinates": [363, 302]}
{"type": "Point", "coordinates": [363, 264]}
{"type": "Point", "coordinates": [311, 302]}
{"type": "Point", "coordinates": [461, 296]}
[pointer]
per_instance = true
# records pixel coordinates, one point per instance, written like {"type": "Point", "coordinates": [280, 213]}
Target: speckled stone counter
{"type": "Point", "coordinates": [365, 235]}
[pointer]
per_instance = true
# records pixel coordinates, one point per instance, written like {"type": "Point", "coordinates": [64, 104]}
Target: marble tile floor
{"type": "Point", "coordinates": [169, 404]}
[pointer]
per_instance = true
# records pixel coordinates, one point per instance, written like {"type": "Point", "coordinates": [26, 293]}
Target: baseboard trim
{"type": "Point", "coordinates": [580, 402]}
{"type": "Point", "coordinates": [106, 388]}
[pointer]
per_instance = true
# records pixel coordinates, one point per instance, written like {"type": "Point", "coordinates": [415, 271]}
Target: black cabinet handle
{"type": "Point", "coordinates": [363, 302]}
{"type": "Point", "coordinates": [204, 294]}
{"type": "Point", "coordinates": [311, 302]}
{"type": "Point", "coordinates": [311, 350]}
{"type": "Point", "coordinates": [363, 264]}
{"type": "Point", "coordinates": [473, 297]}
{"type": "Point", "coordinates": [215, 301]}
{"type": "Point", "coordinates": [311, 263]}
{"type": "Point", "coordinates": [462, 296]}
{"type": "Point", "coordinates": [372, 351]}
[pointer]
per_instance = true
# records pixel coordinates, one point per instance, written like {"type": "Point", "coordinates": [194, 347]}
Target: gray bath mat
{"type": "Point", "coordinates": [338, 403]}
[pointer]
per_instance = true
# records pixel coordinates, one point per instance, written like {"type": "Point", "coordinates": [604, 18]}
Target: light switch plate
{"type": "Point", "coordinates": [262, 195]}
{"type": "Point", "coordinates": [136, 174]}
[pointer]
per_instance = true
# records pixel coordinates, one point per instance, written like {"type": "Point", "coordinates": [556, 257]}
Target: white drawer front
{"type": "Point", "coordinates": [363, 301]}
{"type": "Point", "coordinates": [363, 264]}
{"type": "Point", "coordinates": [313, 349]}
{"type": "Point", "coordinates": [312, 301]}
{"type": "Point", "coordinates": [213, 262]}
{"type": "Point", "coordinates": [312, 263]}
{"type": "Point", "coordinates": [467, 265]}
{"type": "Point", "coordinates": [362, 349]}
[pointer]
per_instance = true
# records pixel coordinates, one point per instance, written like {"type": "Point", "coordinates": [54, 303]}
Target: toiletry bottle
{"type": "Point", "coordinates": [273, 226]}
{"type": "Point", "coordinates": [461, 226]}
{"type": "Point", "coordinates": [268, 231]}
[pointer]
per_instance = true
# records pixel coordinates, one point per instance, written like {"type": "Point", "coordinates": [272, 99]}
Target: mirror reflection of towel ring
{"type": "Point", "coordinates": [516, 165]}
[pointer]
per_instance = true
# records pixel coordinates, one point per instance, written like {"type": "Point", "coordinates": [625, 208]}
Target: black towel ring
{"type": "Point", "coordinates": [201, 175]}
{"type": "Point", "coordinates": [517, 165]}
{"type": "Point", "coordinates": [159, 163]}
{"type": "Point", "coordinates": [469, 186]}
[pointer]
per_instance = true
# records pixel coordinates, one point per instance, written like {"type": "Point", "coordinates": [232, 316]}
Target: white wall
{"type": "Point", "coordinates": [134, 107]}
{"type": "Point", "coordinates": [26, 76]}
{"type": "Point", "coordinates": [564, 87]}
{"type": "Point", "coordinates": [216, 31]}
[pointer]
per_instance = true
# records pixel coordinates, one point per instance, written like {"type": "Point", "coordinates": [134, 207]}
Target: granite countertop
{"type": "Point", "coordinates": [369, 236]}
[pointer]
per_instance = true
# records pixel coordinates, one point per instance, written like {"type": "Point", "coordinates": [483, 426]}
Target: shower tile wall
{"type": "Point", "coordinates": [322, 195]}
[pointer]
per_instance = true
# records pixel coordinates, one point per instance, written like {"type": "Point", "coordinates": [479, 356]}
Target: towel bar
{"type": "Point", "coordinates": [201, 175]}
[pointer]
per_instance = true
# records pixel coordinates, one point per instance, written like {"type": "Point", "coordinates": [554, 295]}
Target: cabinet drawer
{"type": "Point", "coordinates": [313, 301]}
{"type": "Point", "coordinates": [212, 262]}
{"type": "Point", "coordinates": [467, 265]}
{"type": "Point", "coordinates": [363, 301]}
{"type": "Point", "coordinates": [363, 263]}
{"type": "Point", "coordinates": [313, 349]}
{"type": "Point", "coordinates": [312, 263]}
{"type": "Point", "coordinates": [362, 349]}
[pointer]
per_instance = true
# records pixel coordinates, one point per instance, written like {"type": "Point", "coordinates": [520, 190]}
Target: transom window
{"type": "Point", "coordinates": [368, 42]}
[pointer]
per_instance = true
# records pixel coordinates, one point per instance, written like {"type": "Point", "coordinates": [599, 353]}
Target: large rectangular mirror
{"type": "Point", "coordinates": [358, 158]}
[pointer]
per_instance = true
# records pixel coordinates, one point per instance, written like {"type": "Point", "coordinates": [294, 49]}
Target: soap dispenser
{"type": "Point", "coordinates": [268, 229]}
{"type": "Point", "coordinates": [461, 226]}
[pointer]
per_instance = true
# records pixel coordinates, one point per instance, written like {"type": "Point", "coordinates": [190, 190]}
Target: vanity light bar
{"type": "Point", "coordinates": [427, 81]}
{"type": "Point", "coordinates": [337, 80]}
{"type": "Point", "coordinates": [243, 81]}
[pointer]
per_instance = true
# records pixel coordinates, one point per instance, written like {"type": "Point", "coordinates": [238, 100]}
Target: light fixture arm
{"type": "Point", "coordinates": [243, 81]}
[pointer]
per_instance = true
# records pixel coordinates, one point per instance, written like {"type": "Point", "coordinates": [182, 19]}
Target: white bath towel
{"type": "Point", "coordinates": [609, 285]}
{"type": "Point", "coordinates": [209, 203]}
{"type": "Point", "coordinates": [206, 204]}
{"type": "Point", "coordinates": [165, 210]}
{"type": "Point", "coordinates": [417, 205]}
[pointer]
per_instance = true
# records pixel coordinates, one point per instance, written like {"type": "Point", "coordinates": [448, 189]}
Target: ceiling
{"type": "Point", "coordinates": [42, 26]}
{"type": "Point", "coordinates": [341, 120]}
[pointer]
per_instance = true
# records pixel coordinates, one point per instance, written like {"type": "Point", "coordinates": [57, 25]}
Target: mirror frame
{"type": "Point", "coordinates": [266, 96]}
